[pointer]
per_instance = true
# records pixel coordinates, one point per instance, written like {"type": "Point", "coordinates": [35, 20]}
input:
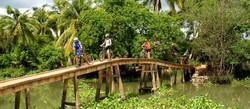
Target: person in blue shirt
{"type": "Point", "coordinates": [77, 47]}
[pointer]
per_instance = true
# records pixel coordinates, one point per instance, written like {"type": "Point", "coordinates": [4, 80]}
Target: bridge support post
{"type": "Point", "coordinates": [76, 91]}
{"type": "Point", "coordinates": [99, 84]}
{"type": "Point", "coordinates": [27, 98]}
{"type": "Point", "coordinates": [17, 100]}
{"type": "Point", "coordinates": [172, 75]}
{"type": "Point", "coordinates": [119, 79]}
{"type": "Point", "coordinates": [152, 69]}
{"type": "Point", "coordinates": [110, 83]}
{"type": "Point", "coordinates": [65, 86]}
{"type": "Point", "coordinates": [101, 75]}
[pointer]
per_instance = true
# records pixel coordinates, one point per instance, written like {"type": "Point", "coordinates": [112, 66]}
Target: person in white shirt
{"type": "Point", "coordinates": [107, 44]}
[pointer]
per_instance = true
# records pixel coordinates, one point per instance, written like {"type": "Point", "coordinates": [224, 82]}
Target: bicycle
{"type": "Point", "coordinates": [87, 58]}
{"type": "Point", "coordinates": [103, 54]}
{"type": "Point", "coordinates": [78, 60]}
{"type": "Point", "coordinates": [143, 53]}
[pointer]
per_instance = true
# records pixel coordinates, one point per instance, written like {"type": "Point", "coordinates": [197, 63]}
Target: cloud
{"type": "Point", "coordinates": [23, 5]}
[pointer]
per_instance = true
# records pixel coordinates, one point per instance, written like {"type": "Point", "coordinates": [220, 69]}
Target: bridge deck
{"type": "Point", "coordinates": [24, 82]}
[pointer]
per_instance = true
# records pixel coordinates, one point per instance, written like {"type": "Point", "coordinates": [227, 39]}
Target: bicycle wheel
{"type": "Point", "coordinates": [141, 55]}
{"type": "Point", "coordinates": [145, 55]}
{"type": "Point", "coordinates": [77, 62]}
{"type": "Point", "coordinates": [89, 59]}
{"type": "Point", "coordinates": [102, 55]}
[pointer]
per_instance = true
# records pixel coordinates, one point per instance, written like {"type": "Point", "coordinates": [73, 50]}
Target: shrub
{"type": "Point", "coordinates": [50, 57]}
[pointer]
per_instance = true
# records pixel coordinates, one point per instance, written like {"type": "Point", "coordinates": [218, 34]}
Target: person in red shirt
{"type": "Point", "coordinates": [146, 45]}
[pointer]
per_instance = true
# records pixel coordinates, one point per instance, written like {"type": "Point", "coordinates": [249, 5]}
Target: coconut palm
{"type": "Point", "coordinates": [19, 26]}
{"type": "Point", "coordinates": [46, 22]}
{"type": "Point", "coordinates": [157, 4]}
{"type": "Point", "coordinates": [67, 21]}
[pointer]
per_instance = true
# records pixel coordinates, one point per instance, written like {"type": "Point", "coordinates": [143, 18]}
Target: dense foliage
{"type": "Point", "coordinates": [160, 100]}
{"type": "Point", "coordinates": [43, 40]}
{"type": "Point", "coordinates": [38, 42]}
{"type": "Point", "coordinates": [223, 27]}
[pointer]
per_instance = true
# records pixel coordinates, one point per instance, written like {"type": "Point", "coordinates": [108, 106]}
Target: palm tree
{"type": "Point", "coordinates": [46, 22]}
{"type": "Point", "coordinates": [157, 4]}
{"type": "Point", "coordinates": [4, 39]}
{"type": "Point", "coordinates": [19, 26]}
{"type": "Point", "coordinates": [67, 21]}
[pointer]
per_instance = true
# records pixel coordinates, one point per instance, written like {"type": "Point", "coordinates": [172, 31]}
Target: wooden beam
{"type": "Point", "coordinates": [108, 82]}
{"type": "Point", "coordinates": [153, 78]}
{"type": "Point", "coordinates": [142, 76]}
{"type": "Point", "coordinates": [27, 98]}
{"type": "Point", "coordinates": [117, 72]}
{"type": "Point", "coordinates": [64, 94]}
{"type": "Point", "coordinates": [76, 91]}
{"type": "Point", "coordinates": [99, 85]}
{"type": "Point", "coordinates": [17, 100]}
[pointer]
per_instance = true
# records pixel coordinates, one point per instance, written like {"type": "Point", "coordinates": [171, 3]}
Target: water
{"type": "Point", "coordinates": [49, 96]}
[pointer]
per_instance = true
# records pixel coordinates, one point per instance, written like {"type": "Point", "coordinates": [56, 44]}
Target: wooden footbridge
{"type": "Point", "coordinates": [108, 69]}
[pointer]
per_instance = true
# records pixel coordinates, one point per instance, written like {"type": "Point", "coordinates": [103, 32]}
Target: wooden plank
{"type": "Point", "coordinates": [69, 103]}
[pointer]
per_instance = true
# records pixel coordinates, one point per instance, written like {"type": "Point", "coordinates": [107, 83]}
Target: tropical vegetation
{"type": "Point", "coordinates": [213, 32]}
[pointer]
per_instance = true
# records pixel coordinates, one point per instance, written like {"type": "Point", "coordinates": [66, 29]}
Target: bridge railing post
{"type": "Point", "coordinates": [76, 92]}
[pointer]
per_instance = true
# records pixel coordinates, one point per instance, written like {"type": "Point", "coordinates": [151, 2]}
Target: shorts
{"type": "Point", "coordinates": [107, 48]}
{"type": "Point", "coordinates": [78, 52]}
{"type": "Point", "coordinates": [148, 50]}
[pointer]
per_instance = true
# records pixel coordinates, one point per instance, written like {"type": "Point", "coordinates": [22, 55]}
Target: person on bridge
{"type": "Point", "coordinates": [107, 44]}
{"type": "Point", "coordinates": [146, 46]}
{"type": "Point", "coordinates": [77, 47]}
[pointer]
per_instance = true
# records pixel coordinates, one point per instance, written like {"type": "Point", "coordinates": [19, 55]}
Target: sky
{"type": "Point", "coordinates": [22, 5]}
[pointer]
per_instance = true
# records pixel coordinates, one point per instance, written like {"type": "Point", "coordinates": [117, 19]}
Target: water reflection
{"type": "Point", "coordinates": [49, 96]}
